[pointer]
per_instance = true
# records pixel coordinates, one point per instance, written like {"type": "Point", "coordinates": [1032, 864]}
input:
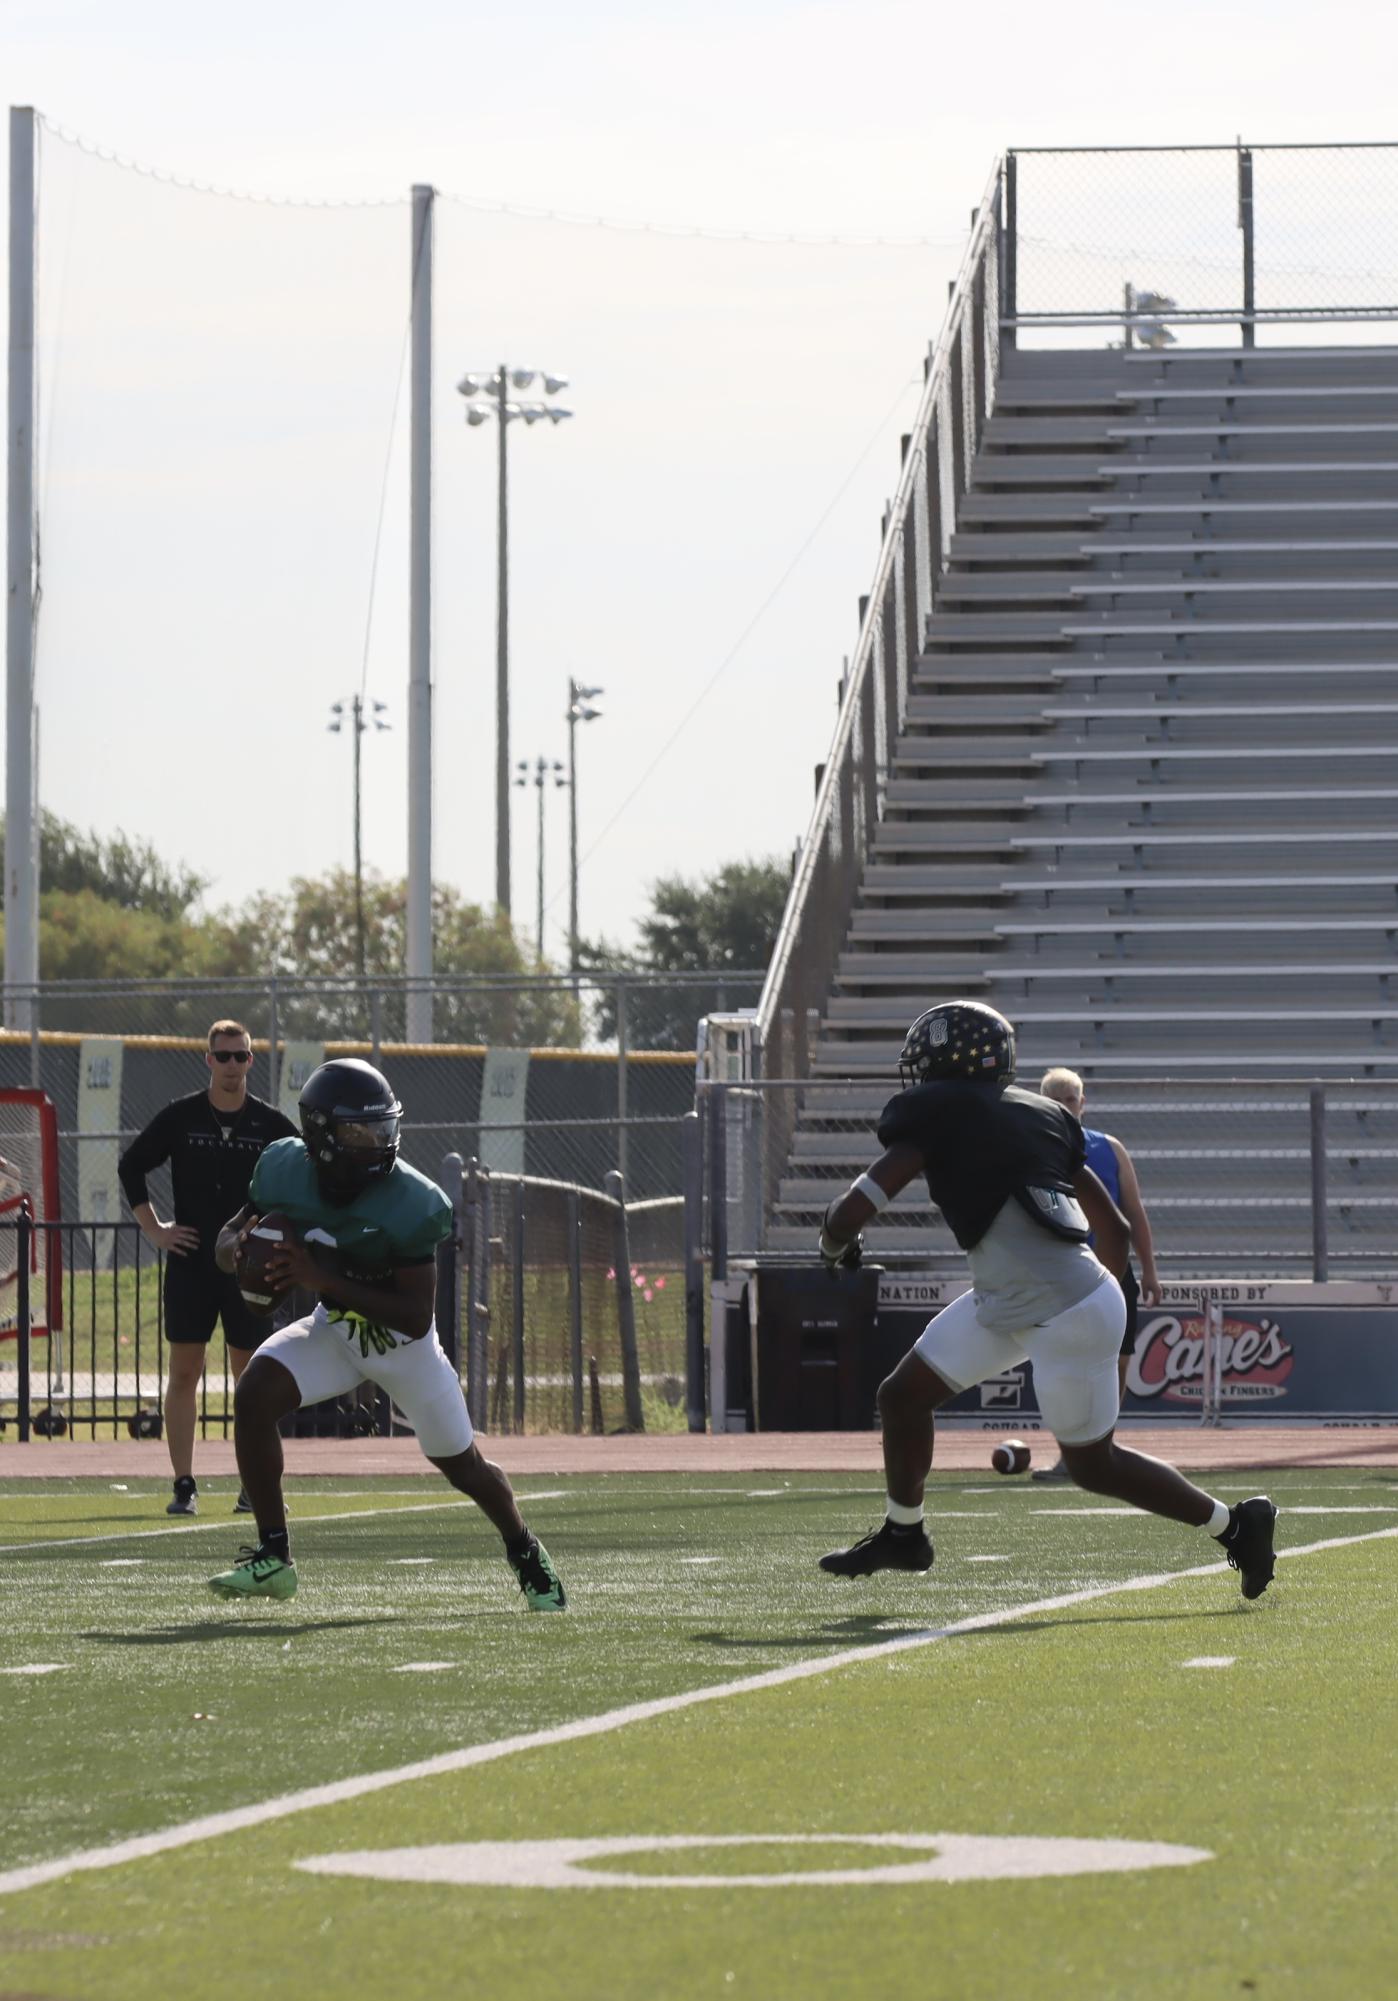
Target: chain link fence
{"type": "Point", "coordinates": [1242, 1178]}
{"type": "Point", "coordinates": [565, 1308]}
{"type": "Point", "coordinates": [1239, 234]}
{"type": "Point", "coordinates": [568, 1307]}
{"type": "Point", "coordinates": [573, 1113]}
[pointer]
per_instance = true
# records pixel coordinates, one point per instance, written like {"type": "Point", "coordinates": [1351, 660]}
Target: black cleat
{"type": "Point", "coordinates": [186, 1497]}
{"type": "Point", "coordinates": [887, 1548]}
{"type": "Point", "coordinates": [1247, 1543]}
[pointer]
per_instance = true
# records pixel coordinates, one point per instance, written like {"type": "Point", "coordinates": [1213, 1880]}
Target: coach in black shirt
{"type": "Point", "coordinates": [212, 1140]}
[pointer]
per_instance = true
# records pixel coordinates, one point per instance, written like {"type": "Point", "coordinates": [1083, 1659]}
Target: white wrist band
{"type": "Point", "coordinates": [871, 1191]}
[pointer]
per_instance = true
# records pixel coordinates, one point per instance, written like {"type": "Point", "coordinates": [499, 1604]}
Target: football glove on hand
{"type": "Point", "coordinates": [840, 1254]}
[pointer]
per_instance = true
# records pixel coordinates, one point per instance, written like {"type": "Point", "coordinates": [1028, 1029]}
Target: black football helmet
{"type": "Point", "coordinates": [957, 1039]}
{"type": "Point", "coordinates": [349, 1122]}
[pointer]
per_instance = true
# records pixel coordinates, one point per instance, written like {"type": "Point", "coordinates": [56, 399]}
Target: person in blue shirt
{"type": "Point", "coordinates": [1112, 1165]}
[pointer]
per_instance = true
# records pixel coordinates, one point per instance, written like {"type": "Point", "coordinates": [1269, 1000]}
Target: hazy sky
{"type": "Point", "coordinates": [219, 384]}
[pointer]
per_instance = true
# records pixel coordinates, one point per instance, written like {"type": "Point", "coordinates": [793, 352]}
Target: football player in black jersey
{"type": "Point", "coordinates": [1006, 1167]}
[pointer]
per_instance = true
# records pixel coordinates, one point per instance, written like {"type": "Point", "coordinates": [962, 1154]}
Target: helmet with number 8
{"type": "Point", "coordinates": [957, 1039]}
{"type": "Point", "coordinates": [349, 1122]}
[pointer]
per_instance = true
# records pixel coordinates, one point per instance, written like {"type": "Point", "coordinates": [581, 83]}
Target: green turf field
{"type": "Point", "coordinates": [1049, 1720]}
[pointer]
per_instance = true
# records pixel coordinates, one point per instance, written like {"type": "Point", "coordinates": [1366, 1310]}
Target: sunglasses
{"type": "Point", "coordinates": [231, 1055]}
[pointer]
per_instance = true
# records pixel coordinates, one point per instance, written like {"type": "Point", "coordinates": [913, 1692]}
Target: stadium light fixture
{"type": "Point", "coordinates": [579, 710]}
{"type": "Point", "coordinates": [543, 770]}
{"type": "Point", "coordinates": [493, 387]}
{"type": "Point", "coordinates": [362, 715]}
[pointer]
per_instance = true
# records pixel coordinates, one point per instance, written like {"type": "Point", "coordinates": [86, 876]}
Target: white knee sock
{"type": "Point", "coordinates": [903, 1517]}
{"type": "Point", "coordinates": [1218, 1520]}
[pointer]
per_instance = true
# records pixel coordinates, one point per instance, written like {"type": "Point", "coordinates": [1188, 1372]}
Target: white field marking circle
{"type": "Point", "coordinates": [1213, 1661]}
{"type": "Point", "coordinates": [562, 1865]}
{"type": "Point", "coordinates": [39, 1667]}
{"type": "Point", "coordinates": [258, 1813]}
{"type": "Point", "coordinates": [426, 1667]}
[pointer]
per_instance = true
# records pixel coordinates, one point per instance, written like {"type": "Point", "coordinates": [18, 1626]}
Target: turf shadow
{"type": "Point", "coordinates": [227, 1629]}
{"type": "Point", "coordinates": [1232, 1610]}
{"type": "Point", "coordinates": [866, 1628]}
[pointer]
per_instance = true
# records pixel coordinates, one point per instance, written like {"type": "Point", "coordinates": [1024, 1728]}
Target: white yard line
{"type": "Point", "coordinates": [210, 1826]}
{"type": "Point", "coordinates": [230, 1522]}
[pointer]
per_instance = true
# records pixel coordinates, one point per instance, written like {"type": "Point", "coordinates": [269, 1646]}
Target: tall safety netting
{"type": "Point", "coordinates": [224, 508]}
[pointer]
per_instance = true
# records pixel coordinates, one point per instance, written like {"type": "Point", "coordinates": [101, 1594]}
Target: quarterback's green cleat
{"type": "Point", "coordinates": [538, 1580]}
{"type": "Point", "coordinates": [258, 1573]}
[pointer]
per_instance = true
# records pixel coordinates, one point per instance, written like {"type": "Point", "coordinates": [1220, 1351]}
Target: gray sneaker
{"type": "Point", "coordinates": [1058, 1471]}
{"type": "Point", "coordinates": [186, 1497]}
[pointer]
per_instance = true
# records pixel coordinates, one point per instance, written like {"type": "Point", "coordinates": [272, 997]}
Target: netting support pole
{"type": "Point", "coordinates": [718, 1181]}
{"type": "Point", "coordinates": [449, 1264]}
{"type": "Point", "coordinates": [274, 1082]}
{"type": "Point", "coordinates": [22, 568]}
{"type": "Point", "coordinates": [1009, 251]}
{"type": "Point", "coordinates": [625, 1306]}
{"type": "Point", "coordinates": [575, 1316]}
{"type": "Point", "coordinates": [1245, 223]}
{"type": "Point", "coordinates": [622, 1078]}
{"type": "Point", "coordinates": [477, 1234]}
{"type": "Point", "coordinates": [1320, 1190]}
{"type": "Point", "coordinates": [25, 1233]}
{"type": "Point", "coordinates": [517, 1255]}
{"type": "Point", "coordinates": [692, 1157]}
{"type": "Point", "coordinates": [419, 940]}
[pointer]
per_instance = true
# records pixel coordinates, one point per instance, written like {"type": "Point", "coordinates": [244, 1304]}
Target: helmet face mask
{"type": "Point", "coordinates": [350, 1126]}
{"type": "Point", "coordinates": [957, 1039]}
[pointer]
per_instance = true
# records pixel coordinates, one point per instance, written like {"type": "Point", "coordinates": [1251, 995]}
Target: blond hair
{"type": "Point", "coordinates": [227, 1028]}
{"type": "Point", "coordinates": [1061, 1084]}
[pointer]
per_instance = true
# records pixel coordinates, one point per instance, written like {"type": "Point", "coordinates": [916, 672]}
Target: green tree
{"type": "Point", "coordinates": [718, 926]}
{"type": "Point", "coordinates": [115, 869]}
{"type": "Point", "coordinates": [308, 933]}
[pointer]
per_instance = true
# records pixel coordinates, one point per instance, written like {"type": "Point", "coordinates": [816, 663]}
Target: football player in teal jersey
{"type": "Point", "coordinates": [368, 1227]}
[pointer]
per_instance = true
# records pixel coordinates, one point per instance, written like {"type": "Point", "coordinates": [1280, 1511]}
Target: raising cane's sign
{"type": "Point", "coordinates": [1168, 1365]}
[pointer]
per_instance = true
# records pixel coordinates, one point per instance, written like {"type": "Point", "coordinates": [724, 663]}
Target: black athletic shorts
{"type": "Point", "coordinates": [1133, 1301]}
{"type": "Point", "coordinates": [197, 1294]}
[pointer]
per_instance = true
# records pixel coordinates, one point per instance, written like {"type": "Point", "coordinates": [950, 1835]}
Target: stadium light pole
{"type": "Point", "coordinates": [357, 706]}
{"type": "Point", "coordinates": [493, 388]}
{"type": "Point", "coordinates": [22, 571]}
{"type": "Point", "coordinates": [544, 769]}
{"type": "Point", "coordinates": [580, 710]}
{"type": "Point", "coordinates": [418, 940]}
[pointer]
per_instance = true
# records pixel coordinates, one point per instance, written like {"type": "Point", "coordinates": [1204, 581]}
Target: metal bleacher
{"type": "Point", "coordinates": [1141, 797]}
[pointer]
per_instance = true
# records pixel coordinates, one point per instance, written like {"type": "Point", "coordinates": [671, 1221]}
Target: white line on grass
{"type": "Point", "coordinates": [141, 1846]}
{"type": "Point", "coordinates": [38, 1667]}
{"type": "Point", "coordinates": [1213, 1660]}
{"type": "Point", "coordinates": [41, 1543]}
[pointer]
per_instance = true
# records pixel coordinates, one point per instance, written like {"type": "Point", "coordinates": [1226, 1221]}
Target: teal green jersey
{"type": "Point", "coordinates": [397, 1220]}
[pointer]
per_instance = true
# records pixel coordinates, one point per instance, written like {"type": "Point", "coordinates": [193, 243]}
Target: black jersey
{"type": "Point", "coordinates": [212, 1155]}
{"type": "Point", "coordinates": [984, 1143]}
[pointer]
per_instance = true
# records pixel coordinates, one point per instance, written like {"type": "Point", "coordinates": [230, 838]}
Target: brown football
{"type": "Point", "coordinates": [258, 1249]}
